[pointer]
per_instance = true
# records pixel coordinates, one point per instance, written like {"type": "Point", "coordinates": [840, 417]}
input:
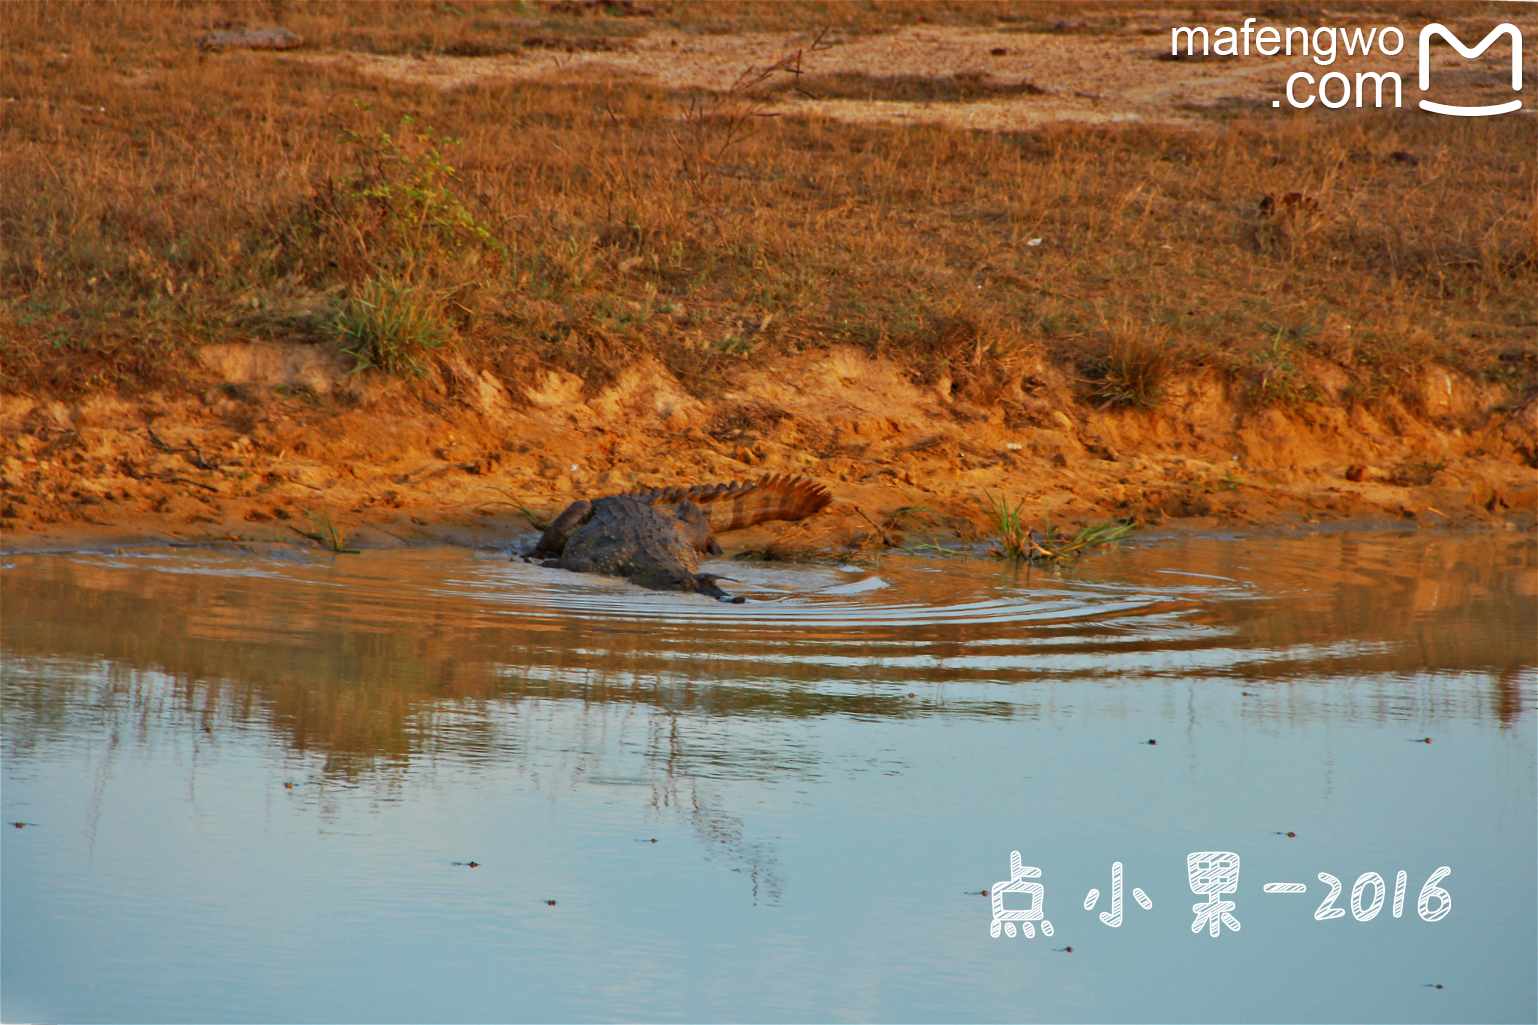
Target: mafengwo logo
{"type": "Point", "coordinates": [1325, 44]}
{"type": "Point", "coordinates": [1433, 31]}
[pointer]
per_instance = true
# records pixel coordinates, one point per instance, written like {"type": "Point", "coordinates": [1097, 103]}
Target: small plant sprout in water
{"type": "Point", "coordinates": [1019, 543]}
{"type": "Point", "coordinates": [327, 533]}
{"type": "Point", "coordinates": [1015, 542]}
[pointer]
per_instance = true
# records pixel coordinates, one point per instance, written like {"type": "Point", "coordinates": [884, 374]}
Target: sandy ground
{"type": "Point", "coordinates": [284, 445]}
{"type": "Point", "coordinates": [1104, 69]}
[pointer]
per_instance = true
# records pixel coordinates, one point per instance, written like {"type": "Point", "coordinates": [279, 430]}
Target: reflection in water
{"type": "Point", "coordinates": [360, 659]}
{"type": "Point", "coordinates": [383, 673]}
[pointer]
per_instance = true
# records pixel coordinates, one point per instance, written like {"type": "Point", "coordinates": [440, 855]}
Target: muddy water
{"type": "Point", "coordinates": [253, 782]}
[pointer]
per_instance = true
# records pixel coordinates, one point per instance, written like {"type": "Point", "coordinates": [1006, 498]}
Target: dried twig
{"type": "Point", "coordinates": [133, 472]}
{"type": "Point", "coordinates": [733, 112]}
{"type": "Point", "coordinates": [884, 539]}
{"type": "Point", "coordinates": [196, 457]}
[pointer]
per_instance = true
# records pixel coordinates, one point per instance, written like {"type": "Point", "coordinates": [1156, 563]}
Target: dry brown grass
{"type": "Point", "coordinates": [1134, 371]}
{"type": "Point", "coordinates": [249, 195]}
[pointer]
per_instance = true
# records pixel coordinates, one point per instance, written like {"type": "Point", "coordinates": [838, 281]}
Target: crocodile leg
{"type": "Point", "coordinates": [553, 540]}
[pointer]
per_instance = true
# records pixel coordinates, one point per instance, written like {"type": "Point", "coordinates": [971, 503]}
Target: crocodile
{"type": "Point", "coordinates": [654, 536]}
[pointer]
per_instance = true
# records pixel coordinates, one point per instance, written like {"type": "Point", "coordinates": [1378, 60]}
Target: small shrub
{"type": "Point", "coordinates": [393, 214]}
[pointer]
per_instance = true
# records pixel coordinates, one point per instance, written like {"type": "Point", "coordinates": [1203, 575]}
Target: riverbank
{"type": "Point", "coordinates": [414, 272]}
{"type": "Point", "coordinates": [284, 444]}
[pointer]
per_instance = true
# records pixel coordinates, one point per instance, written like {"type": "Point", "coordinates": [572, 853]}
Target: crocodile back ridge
{"type": "Point", "coordinates": [776, 496]}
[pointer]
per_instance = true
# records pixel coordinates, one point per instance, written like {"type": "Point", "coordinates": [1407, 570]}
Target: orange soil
{"type": "Point", "coordinates": [284, 437]}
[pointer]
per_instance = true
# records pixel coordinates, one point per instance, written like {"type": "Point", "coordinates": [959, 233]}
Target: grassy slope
{"type": "Point", "coordinates": [225, 197]}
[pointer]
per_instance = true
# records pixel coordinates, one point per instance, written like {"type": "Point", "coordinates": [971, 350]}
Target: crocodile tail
{"type": "Point", "coordinates": [744, 503]}
{"type": "Point", "coordinates": [774, 497]}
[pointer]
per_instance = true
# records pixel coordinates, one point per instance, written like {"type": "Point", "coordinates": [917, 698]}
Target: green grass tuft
{"type": "Point", "coordinates": [392, 327]}
{"type": "Point", "coordinates": [328, 534]}
{"type": "Point", "coordinates": [1014, 536]}
{"type": "Point", "coordinates": [1019, 543]}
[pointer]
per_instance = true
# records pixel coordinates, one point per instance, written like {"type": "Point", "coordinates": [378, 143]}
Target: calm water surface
{"type": "Point", "coordinates": [253, 783]}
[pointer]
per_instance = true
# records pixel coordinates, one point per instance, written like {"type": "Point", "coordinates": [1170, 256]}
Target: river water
{"type": "Point", "coordinates": [253, 783]}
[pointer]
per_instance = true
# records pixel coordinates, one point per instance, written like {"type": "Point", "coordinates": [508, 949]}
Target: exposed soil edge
{"type": "Point", "coordinates": [284, 437]}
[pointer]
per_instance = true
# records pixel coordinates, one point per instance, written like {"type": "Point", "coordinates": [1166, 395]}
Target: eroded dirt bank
{"type": "Point", "coordinates": [284, 441]}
